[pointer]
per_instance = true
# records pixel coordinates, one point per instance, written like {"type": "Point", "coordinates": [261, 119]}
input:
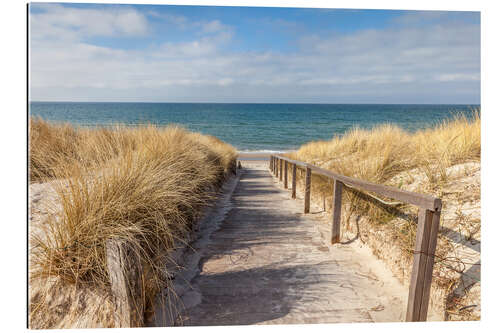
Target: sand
{"type": "Point", "coordinates": [243, 156]}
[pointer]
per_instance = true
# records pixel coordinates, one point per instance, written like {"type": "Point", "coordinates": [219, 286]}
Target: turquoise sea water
{"type": "Point", "coordinates": [253, 127]}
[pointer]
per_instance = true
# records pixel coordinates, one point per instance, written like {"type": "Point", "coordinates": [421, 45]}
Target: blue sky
{"type": "Point", "coordinates": [163, 53]}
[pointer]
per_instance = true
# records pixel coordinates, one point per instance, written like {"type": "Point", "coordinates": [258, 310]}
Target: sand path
{"type": "Point", "coordinates": [268, 263]}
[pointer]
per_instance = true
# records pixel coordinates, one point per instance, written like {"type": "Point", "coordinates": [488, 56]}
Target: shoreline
{"type": "Point", "coordinates": [259, 155]}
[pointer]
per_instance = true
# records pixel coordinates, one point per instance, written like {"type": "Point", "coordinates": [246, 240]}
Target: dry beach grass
{"type": "Point", "coordinates": [144, 185]}
{"type": "Point", "coordinates": [385, 151]}
{"type": "Point", "coordinates": [443, 161]}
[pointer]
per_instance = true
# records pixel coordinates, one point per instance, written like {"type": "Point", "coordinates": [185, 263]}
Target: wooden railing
{"type": "Point", "coordinates": [428, 223]}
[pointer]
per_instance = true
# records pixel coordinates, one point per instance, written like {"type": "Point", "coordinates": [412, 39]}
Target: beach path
{"type": "Point", "coordinates": [269, 263]}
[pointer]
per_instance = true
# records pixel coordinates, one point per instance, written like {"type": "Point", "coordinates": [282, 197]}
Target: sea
{"type": "Point", "coordinates": [254, 127]}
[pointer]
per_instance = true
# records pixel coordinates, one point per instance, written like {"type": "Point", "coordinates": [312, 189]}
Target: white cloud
{"type": "Point", "coordinates": [197, 48]}
{"type": "Point", "coordinates": [179, 21]}
{"type": "Point", "coordinates": [202, 27]}
{"type": "Point", "coordinates": [213, 26]}
{"type": "Point", "coordinates": [457, 77]}
{"type": "Point", "coordinates": [62, 23]}
{"type": "Point", "coordinates": [432, 63]}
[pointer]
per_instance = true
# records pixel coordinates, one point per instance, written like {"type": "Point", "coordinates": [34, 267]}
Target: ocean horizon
{"type": "Point", "coordinates": [253, 127]}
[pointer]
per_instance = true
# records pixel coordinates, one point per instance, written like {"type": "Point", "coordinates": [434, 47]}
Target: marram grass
{"type": "Point", "coordinates": [380, 153]}
{"type": "Point", "coordinates": [144, 185]}
{"type": "Point", "coordinates": [383, 155]}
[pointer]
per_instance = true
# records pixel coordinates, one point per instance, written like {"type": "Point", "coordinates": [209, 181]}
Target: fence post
{"type": "Point", "coordinates": [275, 171]}
{"type": "Point", "coordinates": [125, 271]}
{"type": "Point", "coordinates": [429, 267]}
{"type": "Point", "coordinates": [294, 181]}
{"type": "Point", "coordinates": [423, 263]}
{"type": "Point", "coordinates": [307, 195]}
{"type": "Point", "coordinates": [270, 161]}
{"type": "Point", "coordinates": [281, 169]}
{"type": "Point", "coordinates": [285, 176]}
{"type": "Point", "coordinates": [336, 207]}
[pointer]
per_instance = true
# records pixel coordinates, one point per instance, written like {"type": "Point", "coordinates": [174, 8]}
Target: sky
{"type": "Point", "coordinates": [167, 53]}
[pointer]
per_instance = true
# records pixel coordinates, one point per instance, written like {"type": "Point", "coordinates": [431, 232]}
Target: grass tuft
{"type": "Point", "coordinates": [379, 154]}
{"type": "Point", "coordinates": [386, 155]}
{"type": "Point", "coordinates": [145, 185]}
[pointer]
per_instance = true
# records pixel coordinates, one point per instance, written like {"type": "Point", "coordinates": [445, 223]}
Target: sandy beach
{"type": "Point", "coordinates": [250, 156]}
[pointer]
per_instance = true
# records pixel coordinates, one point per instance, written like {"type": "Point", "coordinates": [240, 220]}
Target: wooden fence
{"type": "Point", "coordinates": [428, 223]}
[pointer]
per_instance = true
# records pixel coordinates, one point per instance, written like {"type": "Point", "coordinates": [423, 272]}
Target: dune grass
{"type": "Point", "coordinates": [384, 151]}
{"type": "Point", "coordinates": [143, 185]}
{"type": "Point", "coordinates": [389, 155]}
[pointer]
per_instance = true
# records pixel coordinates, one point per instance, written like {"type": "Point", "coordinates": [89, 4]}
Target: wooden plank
{"type": "Point", "coordinates": [285, 176]}
{"type": "Point", "coordinates": [336, 206]}
{"type": "Point", "coordinates": [307, 195]}
{"type": "Point", "coordinates": [299, 163]}
{"type": "Point", "coordinates": [294, 181]}
{"type": "Point", "coordinates": [419, 263]}
{"type": "Point", "coordinates": [418, 199]}
{"type": "Point", "coordinates": [125, 276]}
{"type": "Point", "coordinates": [431, 251]}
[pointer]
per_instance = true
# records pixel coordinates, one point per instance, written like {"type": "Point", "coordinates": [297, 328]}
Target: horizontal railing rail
{"type": "Point", "coordinates": [427, 229]}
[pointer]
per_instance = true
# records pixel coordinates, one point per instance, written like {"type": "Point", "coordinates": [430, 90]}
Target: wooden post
{"type": "Point", "coordinates": [429, 267]}
{"type": "Point", "coordinates": [423, 262]}
{"type": "Point", "coordinates": [281, 170]}
{"type": "Point", "coordinates": [285, 176]}
{"type": "Point", "coordinates": [336, 207]}
{"type": "Point", "coordinates": [307, 195]}
{"type": "Point", "coordinates": [294, 181]}
{"type": "Point", "coordinates": [125, 276]}
{"type": "Point", "coordinates": [270, 161]}
{"type": "Point", "coordinates": [275, 167]}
